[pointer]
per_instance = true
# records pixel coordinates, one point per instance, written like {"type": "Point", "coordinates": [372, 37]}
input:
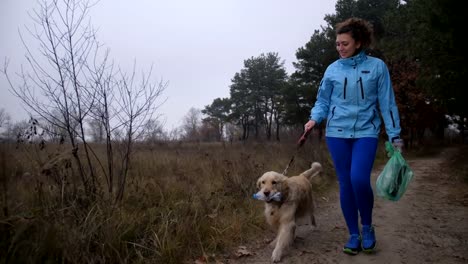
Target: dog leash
{"type": "Point", "coordinates": [300, 142]}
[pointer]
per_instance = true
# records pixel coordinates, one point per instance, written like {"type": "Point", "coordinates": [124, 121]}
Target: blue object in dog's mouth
{"type": "Point", "coordinates": [261, 196]}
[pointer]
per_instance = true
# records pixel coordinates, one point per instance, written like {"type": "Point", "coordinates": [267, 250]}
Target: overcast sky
{"type": "Point", "coordinates": [195, 45]}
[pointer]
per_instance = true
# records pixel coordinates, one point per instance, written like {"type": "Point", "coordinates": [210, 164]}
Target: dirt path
{"type": "Point", "coordinates": [428, 225]}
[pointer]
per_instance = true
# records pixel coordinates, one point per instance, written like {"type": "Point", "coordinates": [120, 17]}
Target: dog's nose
{"type": "Point", "coordinates": [266, 193]}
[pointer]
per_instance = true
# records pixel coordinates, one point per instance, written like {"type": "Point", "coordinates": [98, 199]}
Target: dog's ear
{"type": "Point", "coordinates": [259, 183]}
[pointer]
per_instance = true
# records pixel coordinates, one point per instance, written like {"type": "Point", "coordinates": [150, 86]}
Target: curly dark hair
{"type": "Point", "coordinates": [360, 29]}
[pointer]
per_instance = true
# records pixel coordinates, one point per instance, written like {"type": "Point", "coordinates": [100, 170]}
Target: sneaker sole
{"type": "Point", "coordinates": [369, 250]}
{"type": "Point", "coordinates": [350, 251]}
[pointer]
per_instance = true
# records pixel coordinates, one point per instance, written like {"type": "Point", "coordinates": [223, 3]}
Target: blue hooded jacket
{"type": "Point", "coordinates": [353, 95]}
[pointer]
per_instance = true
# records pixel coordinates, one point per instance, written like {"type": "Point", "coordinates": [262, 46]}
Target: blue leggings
{"type": "Point", "coordinates": [353, 160]}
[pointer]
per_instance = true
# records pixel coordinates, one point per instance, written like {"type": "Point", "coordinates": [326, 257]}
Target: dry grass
{"type": "Point", "coordinates": [182, 201]}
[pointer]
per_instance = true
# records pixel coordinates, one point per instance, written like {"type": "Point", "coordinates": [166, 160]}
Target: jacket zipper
{"type": "Point", "coordinates": [344, 89]}
{"type": "Point", "coordinates": [362, 88]}
{"type": "Point", "coordinates": [333, 114]}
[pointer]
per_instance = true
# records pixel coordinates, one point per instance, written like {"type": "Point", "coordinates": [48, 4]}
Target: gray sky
{"type": "Point", "coordinates": [196, 46]}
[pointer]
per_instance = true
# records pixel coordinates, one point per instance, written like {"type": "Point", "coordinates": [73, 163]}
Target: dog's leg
{"type": "Point", "coordinates": [312, 221]}
{"type": "Point", "coordinates": [286, 233]}
{"type": "Point", "coordinates": [284, 240]}
{"type": "Point", "coordinates": [311, 212]}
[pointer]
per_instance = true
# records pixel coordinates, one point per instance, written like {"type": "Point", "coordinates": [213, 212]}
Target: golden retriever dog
{"type": "Point", "coordinates": [296, 203]}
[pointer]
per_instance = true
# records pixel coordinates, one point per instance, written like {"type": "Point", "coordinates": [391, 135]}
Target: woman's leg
{"type": "Point", "coordinates": [341, 151]}
{"type": "Point", "coordinates": [363, 157]}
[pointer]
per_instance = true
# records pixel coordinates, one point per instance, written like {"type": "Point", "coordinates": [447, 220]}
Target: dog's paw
{"type": "Point", "coordinates": [276, 256]}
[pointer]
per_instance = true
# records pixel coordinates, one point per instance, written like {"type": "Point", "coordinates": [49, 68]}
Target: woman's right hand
{"type": "Point", "coordinates": [309, 125]}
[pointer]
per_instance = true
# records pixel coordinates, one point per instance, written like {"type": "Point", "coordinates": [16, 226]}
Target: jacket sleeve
{"type": "Point", "coordinates": [387, 104]}
{"type": "Point", "coordinates": [320, 110]}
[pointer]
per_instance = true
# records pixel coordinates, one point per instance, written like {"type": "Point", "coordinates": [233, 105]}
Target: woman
{"type": "Point", "coordinates": [354, 90]}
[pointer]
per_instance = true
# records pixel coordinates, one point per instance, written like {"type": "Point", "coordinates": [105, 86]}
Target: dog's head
{"type": "Point", "coordinates": [271, 183]}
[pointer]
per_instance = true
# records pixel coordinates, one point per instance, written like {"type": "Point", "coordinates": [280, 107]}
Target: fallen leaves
{"type": "Point", "coordinates": [242, 251]}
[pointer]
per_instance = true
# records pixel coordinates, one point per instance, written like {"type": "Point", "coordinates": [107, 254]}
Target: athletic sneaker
{"type": "Point", "coordinates": [353, 246]}
{"type": "Point", "coordinates": [368, 239]}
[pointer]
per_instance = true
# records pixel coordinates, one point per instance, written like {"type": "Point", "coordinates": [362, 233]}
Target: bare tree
{"type": "Point", "coordinates": [175, 134]}
{"type": "Point", "coordinates": [14, 130]}
{"type": "Point", "coordinates": [209, 131]}
{"type": "Point", "coordinates": [153, 131]}
{"type": "Point", "coordinates": [102, 75]}
{"type": "Point", "coordinates": [56, 80]}
{"type": "Point", "coordinates": [96, 130]}
{"type": "Point", "coordinates": [191, 124]}
{"type": "Point", "coordinates": [137, 102]}
{"type": "Point", "coordinates": [122, 109]}
{"type": "Point", "coordinates": [4, 117]}
{"type": "Point", "coordinates": [71, 76]}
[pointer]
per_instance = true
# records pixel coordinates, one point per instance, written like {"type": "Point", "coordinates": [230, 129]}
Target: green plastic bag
{"type": "Point", "coordinates": [395, 177]}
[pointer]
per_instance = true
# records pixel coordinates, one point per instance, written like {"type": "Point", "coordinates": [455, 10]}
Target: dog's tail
{"type": "Point", "coordinates": [314, 170]}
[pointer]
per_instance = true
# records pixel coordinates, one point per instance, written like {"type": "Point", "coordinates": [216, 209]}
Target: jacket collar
{"type": "Point", "coordinates": [355, 60]}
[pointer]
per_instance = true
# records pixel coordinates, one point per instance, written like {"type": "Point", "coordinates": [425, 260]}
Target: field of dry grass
{"type": "Point", "coordinates": [182, 202]}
